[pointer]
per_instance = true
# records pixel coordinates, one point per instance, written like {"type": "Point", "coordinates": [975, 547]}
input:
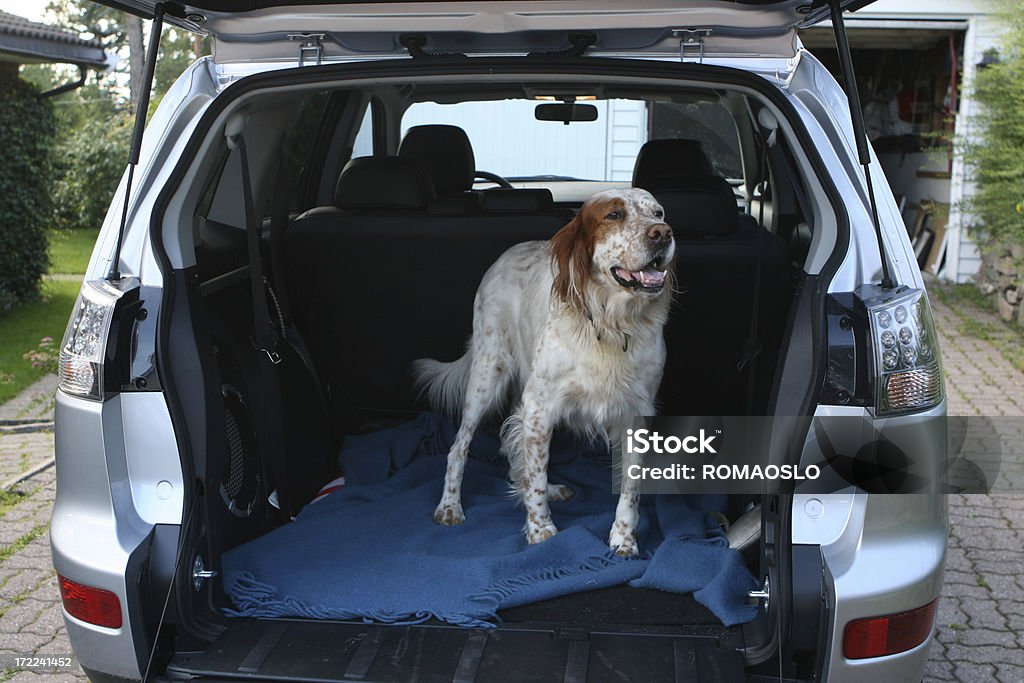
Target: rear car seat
{"type": "Point", "coordinates": [716, 259]}
{"type": "Point", "coordinates": [378, 281]}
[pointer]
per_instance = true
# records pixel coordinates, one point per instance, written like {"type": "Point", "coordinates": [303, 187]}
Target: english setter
{"type": "Point", "coordinates": [573, 327]}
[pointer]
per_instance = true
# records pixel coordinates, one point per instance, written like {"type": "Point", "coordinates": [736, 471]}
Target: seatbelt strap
{"type": "Point", "coordinates": [801, 198]}
{"type": "Point", "coordinates": [752, 345]}
{"type": "Point", "coordinates": [278, 224]}
{"type": "Point", "coordinates": [264, 337]}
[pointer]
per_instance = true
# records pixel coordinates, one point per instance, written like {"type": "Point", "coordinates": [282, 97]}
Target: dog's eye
{"type": "Point", "coordinates": [659, 214]}
{"type": "Point", "coordinates": [614, 216]}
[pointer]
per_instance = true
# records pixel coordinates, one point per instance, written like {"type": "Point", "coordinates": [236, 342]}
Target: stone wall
{"type": "Point", "coordinates": [1002, 276]}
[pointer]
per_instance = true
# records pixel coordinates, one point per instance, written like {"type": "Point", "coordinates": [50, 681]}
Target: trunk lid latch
{"type": "Point", "coordinates": [761, 594]}
{"type": "Point", "coordinates": [691, 43]}
{"type": "Point", "coordinates": [200, 573]}
{"type": "Point", "coordinates": [310, 47]}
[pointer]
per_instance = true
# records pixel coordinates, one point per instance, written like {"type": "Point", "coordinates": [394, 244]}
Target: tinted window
{"type": "Point", "coordinates": [709, 122]}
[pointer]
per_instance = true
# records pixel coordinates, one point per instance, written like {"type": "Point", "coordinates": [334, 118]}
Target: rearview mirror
{"type": "Point", "coordinates": [565, 112]}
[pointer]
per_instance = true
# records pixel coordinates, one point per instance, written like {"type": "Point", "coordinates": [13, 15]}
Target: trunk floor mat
{"type": "Point", "coordinates": [295, 650]}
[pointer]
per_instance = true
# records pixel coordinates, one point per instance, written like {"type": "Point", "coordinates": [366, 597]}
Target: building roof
{"type": "Point", "coordinates": [26, 42]}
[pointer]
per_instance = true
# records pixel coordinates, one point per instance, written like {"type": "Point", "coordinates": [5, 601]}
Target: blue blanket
{"type": "Point", "coordinates": [372, 550]}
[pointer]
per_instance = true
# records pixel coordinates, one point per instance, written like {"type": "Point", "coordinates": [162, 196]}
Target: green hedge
{"type": "Point", "coordinates": [93, 158]}
{"type": "Point", "coordinates": [27, 131]}
{"type": "Point", "coordinates": [997, 156]}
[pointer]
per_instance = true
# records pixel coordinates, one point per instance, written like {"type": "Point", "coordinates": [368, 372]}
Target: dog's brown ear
{"type": "Point", "coordinates": [571, 252]}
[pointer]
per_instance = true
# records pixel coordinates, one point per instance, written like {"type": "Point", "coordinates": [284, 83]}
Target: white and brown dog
{"type": "Point", "coordinates": [574, 324]}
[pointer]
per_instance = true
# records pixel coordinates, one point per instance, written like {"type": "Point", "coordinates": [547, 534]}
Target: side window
{"type": "Point", "coordinates": [300, 146]}
{"type": "Point", "coordinates": [707, 121]}
{"type": "Point", "coordinates": [363, 144]}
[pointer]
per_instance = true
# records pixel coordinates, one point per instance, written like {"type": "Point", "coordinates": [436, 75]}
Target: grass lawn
{"type": "Point", "coordinates": [23, 327]}
{"type": "Point", "coordinates": [70, 249]}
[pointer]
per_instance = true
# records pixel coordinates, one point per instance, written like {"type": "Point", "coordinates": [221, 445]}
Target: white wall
{"type": "Point", "coordinates": [509, 141]}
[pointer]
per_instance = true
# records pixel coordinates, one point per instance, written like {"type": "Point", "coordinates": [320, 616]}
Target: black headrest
{"type": "Point", "coordinates": [502, 200]}
{"type": "Point", "coordinates": [671, 158]}
{"type": "Point", "coordinates": [383, 183]}
{"type": "Point", "coordinates": [704, 207]}
{"type": "Point", "coordinates": [445, 152]}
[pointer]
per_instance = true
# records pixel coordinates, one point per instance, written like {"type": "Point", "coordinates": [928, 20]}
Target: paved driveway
{"type": "Point", "coordinates": [981, 613]}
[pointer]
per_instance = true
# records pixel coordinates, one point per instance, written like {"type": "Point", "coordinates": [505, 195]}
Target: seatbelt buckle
{"type": "Point", "coordinates": [267, 345]}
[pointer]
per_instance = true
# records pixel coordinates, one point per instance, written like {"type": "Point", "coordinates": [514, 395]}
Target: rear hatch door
{"type": "Point", "coordinates": [274, 30]}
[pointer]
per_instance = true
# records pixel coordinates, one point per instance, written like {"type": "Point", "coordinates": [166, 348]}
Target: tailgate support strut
{"type": "Point", "coordinates": [859, 132]}
{"type": "Point", "coordinates": [140, 123]}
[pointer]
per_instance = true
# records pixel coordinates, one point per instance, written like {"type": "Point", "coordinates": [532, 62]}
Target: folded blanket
{"type": "Point", "coordinates": [372, 550]}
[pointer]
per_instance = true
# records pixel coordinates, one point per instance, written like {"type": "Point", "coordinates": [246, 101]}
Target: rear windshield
{"type": "Point", "coordinates": [508, 139]}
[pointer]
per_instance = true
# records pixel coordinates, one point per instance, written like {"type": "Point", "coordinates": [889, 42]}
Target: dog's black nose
{"type": "Point", "coordinates": [660, 233]}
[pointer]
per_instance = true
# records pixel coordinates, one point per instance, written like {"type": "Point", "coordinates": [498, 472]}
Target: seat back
{"type": "Point", "coordinates": [717, 254]}
{"type": "Point", "coordinates": [375, 287]}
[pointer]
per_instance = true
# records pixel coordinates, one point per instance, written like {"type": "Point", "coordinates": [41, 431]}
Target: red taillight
{"type": "Point", "coordinates": [888, 634]}
{"type": "Point", "coordinates": [93, 605]}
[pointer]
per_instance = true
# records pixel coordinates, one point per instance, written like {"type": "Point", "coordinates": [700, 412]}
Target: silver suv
{"type": "Point", "coordinates": [312, 208]}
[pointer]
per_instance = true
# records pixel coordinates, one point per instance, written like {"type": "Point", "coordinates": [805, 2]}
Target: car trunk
{"type": "Point", "coordinates": [247, 414]}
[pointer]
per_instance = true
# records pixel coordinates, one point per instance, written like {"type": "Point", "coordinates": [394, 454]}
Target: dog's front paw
{"type": "Point", "coordinates": [623, 541]}
{"type": "Point", "coordinates": [449, 514]}
{"type": "Point", "coordinates": [538, 533]}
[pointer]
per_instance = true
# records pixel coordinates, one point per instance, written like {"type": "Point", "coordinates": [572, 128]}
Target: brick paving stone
{"type": "Point", "coordinates": [48, 677]}
{"type": "Point", "coordinates": [983, 636]}
{"type": "Point", "coordinates": [965, 672]}
{"type": "Point", "coordinates": [36, 402]}
{"type": "Point", "coordinates": [1008, 673]}
{"type": "Point", "coordinates": [937, 670]}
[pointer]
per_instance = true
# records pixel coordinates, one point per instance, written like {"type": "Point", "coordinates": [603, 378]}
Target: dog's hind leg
{"type": "Point", "coordinates": [488, 380]}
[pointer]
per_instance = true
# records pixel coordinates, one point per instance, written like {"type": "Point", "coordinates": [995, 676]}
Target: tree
{"type": "Point", "coordinates": [93, 159]}
{"type": "Point", "coordinates": [136, 58]}
{"type": "Point", "coordinates": [996, 156]}
{"type": "Point", "coordinates": [95, 120]}
{"type": "Point", "coordinates": [26, 136]}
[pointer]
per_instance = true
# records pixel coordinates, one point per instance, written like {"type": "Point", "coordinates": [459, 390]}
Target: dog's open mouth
{"type": "Point", "coordinates": [650, 278]}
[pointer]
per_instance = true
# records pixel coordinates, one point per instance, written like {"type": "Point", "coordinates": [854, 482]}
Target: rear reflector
{"type": "Point", "coordinates": [888, 634]}
{"type": "Point", "coordinates": [92, 605]}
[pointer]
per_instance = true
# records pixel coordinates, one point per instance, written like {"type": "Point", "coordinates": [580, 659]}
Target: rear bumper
{"type": "Point", "coordinates": [888, 558]}
{"type": "Point", "coordinates": [100, 530]}
{"type": "Point", "coordinates": [890, 574]}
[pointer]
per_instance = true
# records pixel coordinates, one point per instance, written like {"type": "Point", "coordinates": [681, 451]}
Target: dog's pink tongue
{"type": "Point", "coordinates": [650, 277]}
{"type": "Point", "coordinates": [626, 275]}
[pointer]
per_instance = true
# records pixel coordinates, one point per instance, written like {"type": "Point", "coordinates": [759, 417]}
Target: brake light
{"type": "Point", "coordinates": [92, 605]}
{"type": "Point", "coordinates": [906, 353]}
{"type": "Point", "coordinates": [80, 370]}
{"type": "Point", "coordinates": [888, 634]}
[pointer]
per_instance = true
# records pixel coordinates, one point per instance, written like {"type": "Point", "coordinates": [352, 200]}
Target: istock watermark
{"type": "Point", "coordinates": [820, 455]}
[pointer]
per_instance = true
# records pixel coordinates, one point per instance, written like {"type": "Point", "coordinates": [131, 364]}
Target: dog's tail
{"type": "Point", "coordinates": [444, 384]}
